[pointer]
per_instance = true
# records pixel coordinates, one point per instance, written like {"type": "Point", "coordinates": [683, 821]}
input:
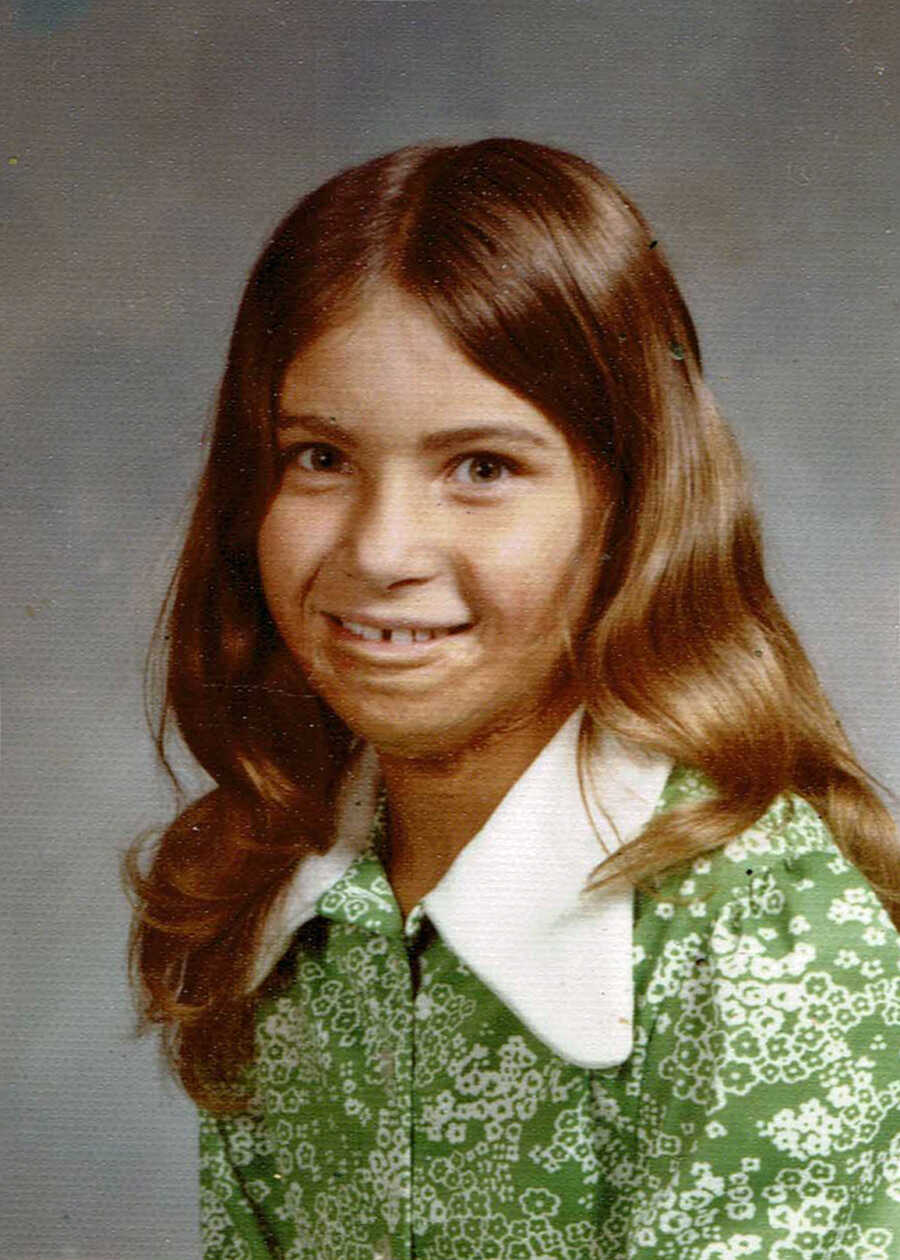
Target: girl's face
{"type": "Point", "coordinates": [431, 534]}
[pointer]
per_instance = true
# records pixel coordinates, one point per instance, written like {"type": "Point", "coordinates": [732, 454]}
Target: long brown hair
{"type": "Point", "coordinates": [548, 278]}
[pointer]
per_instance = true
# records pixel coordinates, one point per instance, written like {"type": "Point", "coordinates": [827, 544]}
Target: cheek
{"type": "Point", "coordinates": [289, 549]}
{"type": "Point", "coordinates": [528, 580]}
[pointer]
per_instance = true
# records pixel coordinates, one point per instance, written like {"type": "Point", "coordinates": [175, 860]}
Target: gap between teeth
{"type": "Point", "coordinates": [401, 634]}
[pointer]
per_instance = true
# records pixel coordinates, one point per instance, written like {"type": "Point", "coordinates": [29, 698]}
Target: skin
{"type": "Point", "coordinates": [419, 493]}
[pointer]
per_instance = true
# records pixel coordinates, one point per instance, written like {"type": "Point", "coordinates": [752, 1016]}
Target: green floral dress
{"type": "Point", "coordinates": [405, 1111]}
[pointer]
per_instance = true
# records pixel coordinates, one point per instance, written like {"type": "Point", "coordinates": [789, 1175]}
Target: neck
{"type": "Point", "coordinates": [436, 805]}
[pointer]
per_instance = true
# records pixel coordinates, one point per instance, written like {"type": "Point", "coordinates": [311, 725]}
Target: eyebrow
{"type": "Point", "coordinates": [328, 428]}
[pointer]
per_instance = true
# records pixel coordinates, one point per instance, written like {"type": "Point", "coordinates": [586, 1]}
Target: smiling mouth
{"type": "Point", "coordinates": [403, 635]}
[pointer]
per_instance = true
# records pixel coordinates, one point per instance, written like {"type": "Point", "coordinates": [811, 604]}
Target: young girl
{"type": "Point", "coordinates": [534, 912]}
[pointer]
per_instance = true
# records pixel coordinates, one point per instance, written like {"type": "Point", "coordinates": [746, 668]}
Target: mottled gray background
{"type": "Point", "coordinates": [147, 150]}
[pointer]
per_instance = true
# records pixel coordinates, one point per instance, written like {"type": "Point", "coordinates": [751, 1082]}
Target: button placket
{"type": "Point", "coordinates": [392, 1066]}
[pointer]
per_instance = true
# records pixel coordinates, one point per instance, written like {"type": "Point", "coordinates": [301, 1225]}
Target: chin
{"type": "Point", "coordinates": [413, 739]}
{"type": "Point", "coordinates": [418, 732]}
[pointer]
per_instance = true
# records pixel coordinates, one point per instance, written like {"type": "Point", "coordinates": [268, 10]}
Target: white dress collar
{"type": "Point", "coordinates": [512, 906]}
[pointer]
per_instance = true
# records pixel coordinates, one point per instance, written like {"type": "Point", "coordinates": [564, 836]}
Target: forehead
{"type": "Point", "coordinates": [390, 360]}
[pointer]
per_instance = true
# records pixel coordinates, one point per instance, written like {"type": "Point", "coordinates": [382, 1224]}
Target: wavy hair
{"type": "Point", "coordinates": [549, 280]}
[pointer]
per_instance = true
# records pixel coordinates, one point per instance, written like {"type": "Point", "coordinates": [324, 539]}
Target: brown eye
{"type": "Point", "coordinates": [484, 469]}
{"type": "Point", "coordinates": [317, 457]}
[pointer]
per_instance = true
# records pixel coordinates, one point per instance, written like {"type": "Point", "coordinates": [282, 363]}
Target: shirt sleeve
{"type": "Point", "coordinates": [231, 1226]}
{"type": "Point", "coordinates": [769, 1119]}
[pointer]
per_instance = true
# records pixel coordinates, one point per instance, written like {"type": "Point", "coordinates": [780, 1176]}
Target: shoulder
{"type": "Point", "coordinates": [788, 844]}
{"type": "Point", "coordinates": [780, 889]}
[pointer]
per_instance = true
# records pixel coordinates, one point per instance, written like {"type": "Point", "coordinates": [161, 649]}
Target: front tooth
{"type": "Point", "coordinates": [401, 636]}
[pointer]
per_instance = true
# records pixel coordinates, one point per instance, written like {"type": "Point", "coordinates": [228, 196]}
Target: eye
{"type": "Point", "coordinates": [483, 469]}
{"type": "Point", "coordinates": [314, 457]}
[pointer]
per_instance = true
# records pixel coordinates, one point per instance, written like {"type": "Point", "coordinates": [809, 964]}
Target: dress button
{"type": "Point", "coordinates": [388, 1063]}
{"type": "Point", "coordinates": [383, 1250]}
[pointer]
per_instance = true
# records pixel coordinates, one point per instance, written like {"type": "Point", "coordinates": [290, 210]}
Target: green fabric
{"type": "Point", "coordinates": [758, 1115]}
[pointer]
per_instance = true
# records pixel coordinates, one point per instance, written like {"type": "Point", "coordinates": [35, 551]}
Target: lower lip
{"type": "Point", "coordinates": [386, 649]}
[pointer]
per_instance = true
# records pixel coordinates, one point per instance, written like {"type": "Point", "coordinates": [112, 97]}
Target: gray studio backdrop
{"type": "Point", "coordinates": [147, 151]}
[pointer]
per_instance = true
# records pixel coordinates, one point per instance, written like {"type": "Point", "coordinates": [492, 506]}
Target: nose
{"type": "Point", "coordinates": [390, 535]}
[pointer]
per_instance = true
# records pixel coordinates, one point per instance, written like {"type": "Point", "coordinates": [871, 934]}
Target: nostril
{"type": "Point", "coordinates": [407, 581]}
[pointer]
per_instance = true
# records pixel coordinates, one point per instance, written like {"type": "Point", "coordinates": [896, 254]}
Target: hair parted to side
{"type": "Point", "coordinates": [547, 277]}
